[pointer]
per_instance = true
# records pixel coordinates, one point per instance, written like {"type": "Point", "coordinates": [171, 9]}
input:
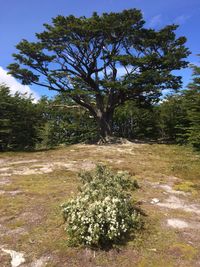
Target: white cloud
{"type": "Point", "coordinates": [15, 86]}
{"type": "Point", "coordinates": [181, 19]}
{"type": "Point", "coordinates": [155, 21]}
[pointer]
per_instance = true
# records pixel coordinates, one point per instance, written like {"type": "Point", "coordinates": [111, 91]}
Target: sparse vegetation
{"type": "Point", "coordinates": [33, 218]}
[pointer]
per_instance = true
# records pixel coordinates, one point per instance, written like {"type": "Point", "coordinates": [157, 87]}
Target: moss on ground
{"type": "Point", "coordinates": [187, 187]}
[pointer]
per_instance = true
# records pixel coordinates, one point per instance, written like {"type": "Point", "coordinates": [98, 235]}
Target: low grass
{"type": "Point", "coordinates": [37, 208]}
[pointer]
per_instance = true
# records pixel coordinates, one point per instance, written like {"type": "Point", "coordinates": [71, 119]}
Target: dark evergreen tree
{"type": "Point", "coordinates": [192, 104]}
{"type": "Point", "coordinates": [173, 120]}
{"type": "Point", "coordinates": [84, 57]}
{"type": "Point", "coordinates": [134, 122]}
{"type": "Point", "coordinates": [20, 121]}
{"type": "Point", "coordinates": [5, 117]}
{"type": "Point", "coordinates": [67, 123]}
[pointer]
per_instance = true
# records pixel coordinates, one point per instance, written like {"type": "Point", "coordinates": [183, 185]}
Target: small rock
{"type": "Point", "coordinates": [155, 200]}
{"type": "Point", "coordinates": [152, 249]}
{"type": "Point", "coordinates": [17, 258]}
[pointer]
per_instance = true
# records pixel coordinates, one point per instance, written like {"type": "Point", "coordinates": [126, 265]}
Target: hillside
{"type": "Point", "coordinates": [33, 185]}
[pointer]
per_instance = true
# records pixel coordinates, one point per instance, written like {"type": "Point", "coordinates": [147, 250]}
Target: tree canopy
{"type": "Point", "coordinates": [102, 61]}
{"type": "Point", "coordinates": [192, 104]}
{"type": "Point", "coordinates": [20, 121]}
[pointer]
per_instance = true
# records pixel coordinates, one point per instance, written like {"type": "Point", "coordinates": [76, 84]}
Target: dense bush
{"type": "Point", "coordinates": [66, 123]}
{"type": "Point", "coordinates": [192, 104]}
{"type": "Point", "coordinates": [134, 122]}
{"type": "Point", "coordinates": [103, 213]}
{"type": "Point", "coordinates": [173, 120]}
{"type": "Point", "coordinates": [20, 121]}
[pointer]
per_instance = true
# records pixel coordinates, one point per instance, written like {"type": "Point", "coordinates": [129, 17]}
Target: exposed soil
{"type": "Point", "coordinates": [33, 185]}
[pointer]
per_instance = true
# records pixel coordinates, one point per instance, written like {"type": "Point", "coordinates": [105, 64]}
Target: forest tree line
{"type": "Point", "coordinates": [26, 125]}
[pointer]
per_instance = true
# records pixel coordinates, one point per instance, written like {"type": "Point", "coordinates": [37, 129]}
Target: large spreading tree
{"type": "Point", "coordinates": [102, 61]}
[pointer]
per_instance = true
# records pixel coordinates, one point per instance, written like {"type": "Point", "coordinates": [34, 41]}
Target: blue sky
{"type": "Point", "coordinates": [22, 19]}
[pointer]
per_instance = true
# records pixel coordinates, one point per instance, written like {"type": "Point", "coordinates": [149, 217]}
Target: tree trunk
{"type": "Point", "coordinates": [104, 121]}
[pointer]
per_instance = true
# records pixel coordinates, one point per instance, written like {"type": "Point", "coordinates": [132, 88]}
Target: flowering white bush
{"type": "Point", "coordinates": [103, 213]}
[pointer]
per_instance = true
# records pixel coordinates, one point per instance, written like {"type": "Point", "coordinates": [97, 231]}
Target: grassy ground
{"type": "Point", "coordinates": [34, 185]}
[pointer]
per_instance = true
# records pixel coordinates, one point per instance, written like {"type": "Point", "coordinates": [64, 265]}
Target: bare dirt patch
{"type": "Point", "coordinates": [41, 262]}
{"type": "Point", "coordinates": [173, 202]}
{"type": "Point", "coordinates": [12, 193]}
{"type": "Point", "coordinates": [192, 224]}
{"type": "Point", "coordinates": [168, 189]}
{"type": "Point", "coordinates": [4, 181]}
{"type": "Point", "coordinates": [44, 167]}
{"type": "Point", "coordinates": [31, 219]}
{"type": "Point", "coordinates": [177, 223]}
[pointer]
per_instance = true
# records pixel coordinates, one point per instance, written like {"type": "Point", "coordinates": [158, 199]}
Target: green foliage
{"type": "Point", "coordinates": [66, 123]}
{"type": "Point", "coordinates": [173, 119]}
{"type": "Point", "coordinates": [103, 213]}
{"type": "Point", "coordinates": [134, 122]}
{"type": "Point", "coordinates": [82, 56]}
{"type": "Point", "coordinates": [24, 124]}
{"type": "Point", "coordinates": [180, 114]}
{"type": "Point", "coordinates": [20, 121]}
{"type": "Point", "coordinates": [192, 103]}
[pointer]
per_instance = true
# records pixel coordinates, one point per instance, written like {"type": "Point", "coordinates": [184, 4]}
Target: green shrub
{"type": "Point", "coordinates": [103, 213]}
